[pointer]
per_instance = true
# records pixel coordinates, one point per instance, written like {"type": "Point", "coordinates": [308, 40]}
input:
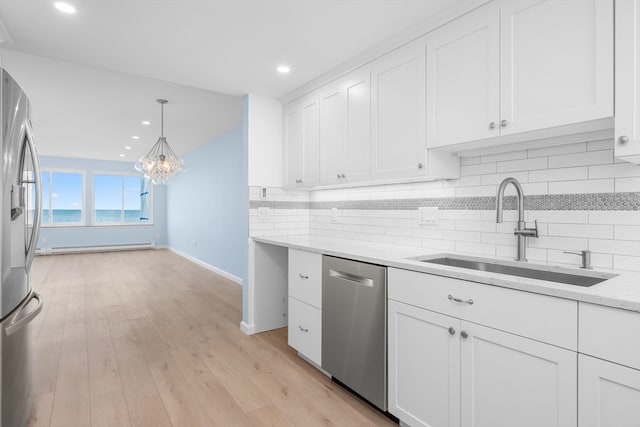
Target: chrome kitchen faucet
{"type": "Point", "coordinates": [522, 231]}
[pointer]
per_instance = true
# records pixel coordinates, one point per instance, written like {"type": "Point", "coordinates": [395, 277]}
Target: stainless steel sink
{"type": "Point", "coordinates": [531, 271]}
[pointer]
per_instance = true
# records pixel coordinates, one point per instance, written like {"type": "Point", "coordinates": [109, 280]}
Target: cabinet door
{"type": "Point", "coordinates": [305, 277]}
{"type": "Point", "coordinates": [293, 127]}
{"type": "Point", "coordinates": [463, 79]}
{"type": "Point", "coordinates": [627, 127]}
{"type": "Point", "coordinates": [556, 63]}
{"type": "Point", "coordinates": [609, 394]}
{"type": "Point", "coordinates": [356, 152]}
{"type": "Point", "coordinates": [301, 143]}
{"type": "Point", "coordinates": [508, 380]}
{"type": "Point", "coordinates": [332, 131]}
{"type": "Point", "coordinates": [398, 106]}
{"type": "Point", "coordinates": [310, 135]}
{"type": "Point", "coordinates": [305, 330]}
{"type": "Point", "coordinates": [424, 366]}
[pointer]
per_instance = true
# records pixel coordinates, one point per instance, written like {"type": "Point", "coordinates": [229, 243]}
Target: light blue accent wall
{"type": "Point", "coordinates": [71, 236]}
{"type": "Point", "coordinates": [208, 207]}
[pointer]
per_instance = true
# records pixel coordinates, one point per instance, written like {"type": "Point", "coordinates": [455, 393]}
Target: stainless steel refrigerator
{"type": "Point", "coordinates": [20, 207]}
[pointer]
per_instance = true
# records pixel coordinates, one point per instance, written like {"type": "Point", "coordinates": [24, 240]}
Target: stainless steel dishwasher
{"type": "Point", "coordinates": [354, 326]}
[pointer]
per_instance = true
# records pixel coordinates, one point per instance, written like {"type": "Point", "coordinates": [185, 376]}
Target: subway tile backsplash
{"type": "Point", "coordinates": [580, 195]}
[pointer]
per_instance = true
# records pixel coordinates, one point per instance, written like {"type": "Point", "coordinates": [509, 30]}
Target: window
{"type": "Point", "coordinates": [121, 199]}
{"type": "Point", "coordinates": [62, 197]}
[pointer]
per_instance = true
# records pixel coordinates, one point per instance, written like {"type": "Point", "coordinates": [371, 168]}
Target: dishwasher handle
{"type": "Point", "coordinates": [351, 278]}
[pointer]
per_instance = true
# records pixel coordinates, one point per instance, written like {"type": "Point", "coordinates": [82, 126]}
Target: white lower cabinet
{"type": "Point", "coordinates": [305, 330]}
{"type": "Point", "coordinates": [467, 354]}
{"type": "Point", "coordinates": [305, 304]}
{"type": "Point", "coordinates": [609, 394]}
{"type": "Point", "coordinates": [508, 380]}
{"type": "Point", "coordinates": [608, 367]}
{"type": "Point", "coordinates": [447, 372]}
{"type": "Point", "coordinates": [424, 366]}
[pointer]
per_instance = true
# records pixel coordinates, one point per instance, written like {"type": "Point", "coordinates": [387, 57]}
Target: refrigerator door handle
{"type": "Point", "coordinates": [33, 241]}
{"type": "Point", "coordinates": [16, 324]}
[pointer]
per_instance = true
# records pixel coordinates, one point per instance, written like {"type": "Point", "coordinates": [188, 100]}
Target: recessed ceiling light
{"type": "Point", "coordinates": [126, 147]}
{"type": "Point", "coordinates": [121, 155]}
{"type": "Point", "coordinates": [146, 123]}
{"type": "Point", "coordinates": [135, 137]}
{"type": "Point", "coordinates": [64, 7]}
{"type": "Point", "coordinates": [283, 69]}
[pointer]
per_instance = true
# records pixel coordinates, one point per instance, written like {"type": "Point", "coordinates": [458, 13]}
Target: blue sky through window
{"type": "Point", "coordinates": [108, 192]}
{"type": "Point", "coordinates": [66, 191]}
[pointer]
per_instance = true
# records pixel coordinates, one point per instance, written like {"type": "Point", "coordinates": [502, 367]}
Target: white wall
{"type": "Point", "coordinates": [264, 133]}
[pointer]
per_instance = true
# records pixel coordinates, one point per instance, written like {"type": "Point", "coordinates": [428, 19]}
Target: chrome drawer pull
{"type": "Point", "coordinates": [303, 329]}
{"type": "Point", "coordinates": [452, 298]}
{"type": "Point", "coordinates": [303, 276]}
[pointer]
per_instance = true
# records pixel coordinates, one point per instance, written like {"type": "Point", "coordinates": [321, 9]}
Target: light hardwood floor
{"type": "Point", "coordinates": [147, 338]}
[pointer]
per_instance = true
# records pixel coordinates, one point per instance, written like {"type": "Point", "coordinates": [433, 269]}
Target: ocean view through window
{"type": "Point", "coordinates": [121, 199]}
{"type": "Point", "coordinates": [62, 198]}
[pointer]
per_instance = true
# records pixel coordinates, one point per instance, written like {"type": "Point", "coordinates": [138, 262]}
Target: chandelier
{"type": "Point", "coordinates": [160, 164]}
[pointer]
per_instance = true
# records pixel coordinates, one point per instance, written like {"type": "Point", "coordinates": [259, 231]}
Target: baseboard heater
{"type": "Point", "coordinates": [86, 249]}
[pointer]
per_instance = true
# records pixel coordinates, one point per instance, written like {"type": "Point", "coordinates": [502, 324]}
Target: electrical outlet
{"type": "Point", "coordinates": [428, 215]}
{"type": "Point", "coordinates": [263, 193]}
{"type": "Point", "coordinates": [263, 213]}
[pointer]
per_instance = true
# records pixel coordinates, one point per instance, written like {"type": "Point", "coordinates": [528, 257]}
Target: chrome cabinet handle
{"type": "Point", "coordinates": [420, 165]}
{"type": "Point", "coordinates": [503, 123]}
{"type": "Point", "coordinates": [343, 176]}
{"type": "Point", "coordinates": [338, 176]}
{"type": "Point", "coordinates": [303, 329]}
{"type": "Point", "coordinates": [302, 276]}
{"type": "Point", "coordinates": [623, 139]}
{"type": "Point", "coordinates": [464, 334]}
{"type": "Point", "coordinates": [492, 125]}
{"type": "Point", "coordinates": [452, 298]}
{"type": "Point", "coordinates": [452, 331]}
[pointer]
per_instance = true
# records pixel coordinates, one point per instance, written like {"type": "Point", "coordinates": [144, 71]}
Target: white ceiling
{"type": "Point", "coordinates": [85, 112]}
{"type": "Point", "coordinates": [226, 46]}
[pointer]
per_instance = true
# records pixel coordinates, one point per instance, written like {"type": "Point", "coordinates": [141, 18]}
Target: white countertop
{"type": "Point", "coordinates": [622, 291]}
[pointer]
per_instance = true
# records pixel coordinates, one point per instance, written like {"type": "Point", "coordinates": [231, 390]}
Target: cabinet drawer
{"type": "Point", "coordinates": [305, 330]}
{"type": "Point", "coordinates": [305, 277]}
{"type": "Point", "coordinates": [540, 317]}
{"type": "Point", "coordinates": [609, 333]}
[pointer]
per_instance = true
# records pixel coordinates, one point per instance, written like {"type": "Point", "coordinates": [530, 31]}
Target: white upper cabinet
{"type": "Point", "coordinates": [517, 66]}
{"type": "Point", "coordinates": [463, 102]}
{"type": "Point", "coordinates": [300, 123]}
{"type": "Point", "coordinates": [345, 130]}
{"type": "Point", "coordinates": [556, 64]}
{"type": "Point", "coordinates": [398, 106]}
{"type": "Point", "coordinates": [627, 126]}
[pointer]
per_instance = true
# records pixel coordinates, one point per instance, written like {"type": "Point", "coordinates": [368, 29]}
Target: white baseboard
{"type": "Point", "coordinates": [246, 328]}
{"type": "Point", "coordinates": [95, 248]}
{"type": "Point", "coordinates": [201, 263]}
